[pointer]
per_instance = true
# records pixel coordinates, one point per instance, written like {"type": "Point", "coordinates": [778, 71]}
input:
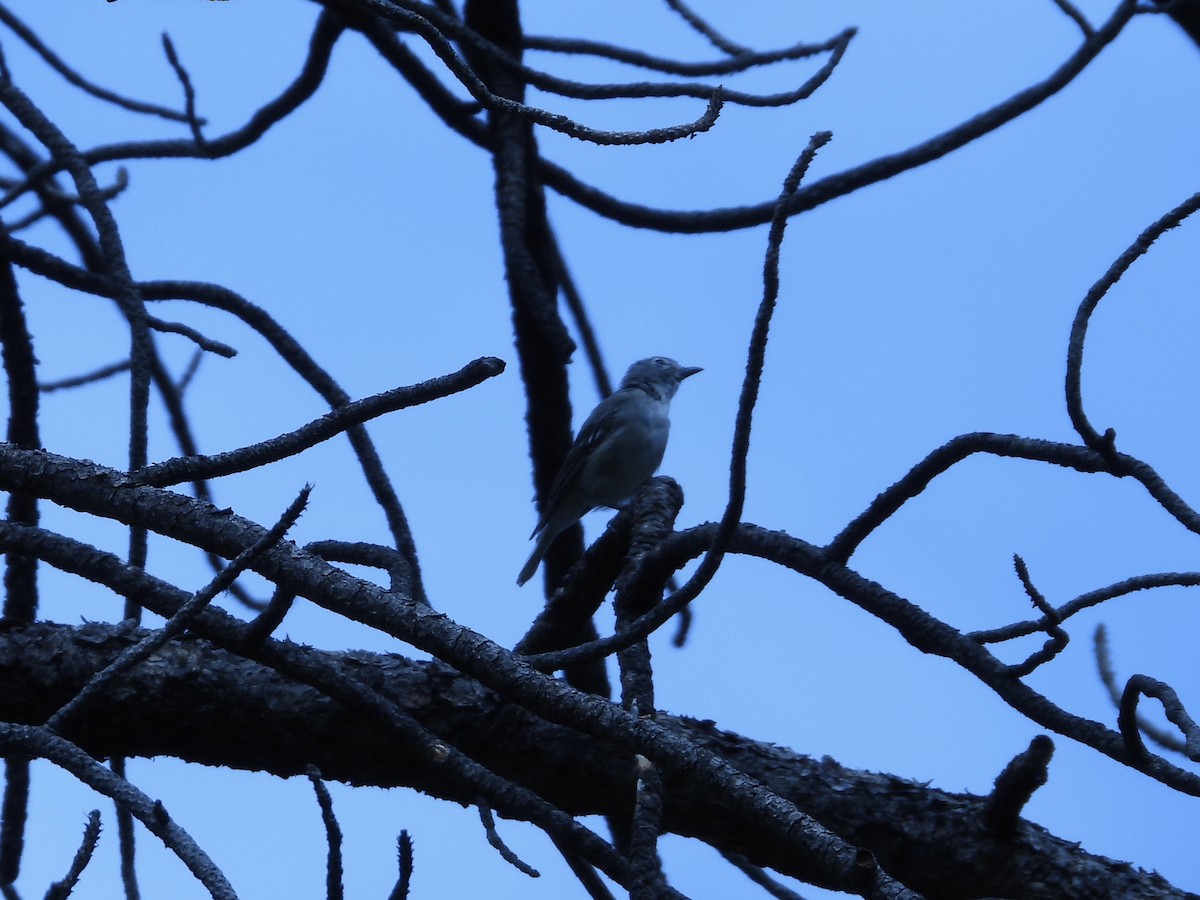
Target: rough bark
{"type": "Point", "coordinates": [199, 703]}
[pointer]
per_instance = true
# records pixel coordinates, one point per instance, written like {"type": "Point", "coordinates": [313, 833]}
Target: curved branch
{"type": "Point", "coordinates": [433, 35]}
{"type": "Point", "coordinates": [97, 490]}
{"type": "Point", "coordinates": [906, 823]}
{"type": "Point", "coordinates": [1086, 601]}
{"type": "Point", "coordinates": [1012, 446]}
{"type": "Point", "coordinates": [733, 65]}
{"type": "Point", "coordinates": [923, 631]}
{"type": "Point", "coordinates": [41, 743]}
{"type": "Point", "coordinates": [25, 33]}
{"type": "Point", "coordinates": [1104, 443]}
{"type": "Point", "coordinates": [289, 349]}
{"type": "Point", "coordinates": [312, 73]}
{"type": "Point", "coordinates": [834, 186]}
{"type": "Point", "coordinates": [191, 468]}
{"type": "Point", "coordinates": [1140, 686]}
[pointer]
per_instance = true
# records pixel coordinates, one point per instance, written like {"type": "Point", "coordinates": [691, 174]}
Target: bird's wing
{"type": "Point", "coordinates": [596, 427]}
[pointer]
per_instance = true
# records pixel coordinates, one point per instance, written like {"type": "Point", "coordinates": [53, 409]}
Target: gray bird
{"type": "Point", "coordinates": [619, 446]}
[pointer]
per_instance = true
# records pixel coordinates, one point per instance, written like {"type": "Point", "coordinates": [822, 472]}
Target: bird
{"type": "Point", "coordinates": [619, 446]}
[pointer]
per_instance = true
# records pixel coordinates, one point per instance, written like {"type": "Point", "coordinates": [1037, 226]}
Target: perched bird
{"type": "Point", "coordinates": [619, 446]}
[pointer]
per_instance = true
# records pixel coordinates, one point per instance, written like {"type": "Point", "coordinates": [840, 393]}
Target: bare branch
{"type": "Point", "coordinates": [1072, 12]}
{"type": "Point", "coordinates": [1014, 787]}
{"type": "Point", "coordinates": [293, 96]}
{"type": "Point", "coordinates": [74, 381]}
{"type": "Point", "coordinates": [196, 337]}
{"type": "Point", "coordinates": [718, 40]}
{"type": "Point", "coordinates": [41, 743]}
{"type": "Point", "coordinates": [1143, 685]}
{"type": "Point", "coordinates": [333, 836]}
{"type": "Point", "coordinates": [1057, 636]}
{"type": "Point", "coordinates": [191, 468]}
{"type": "Point", "coordinates": [61, 890]}
{"type": "Point", "coordinates": [404, 854]}
{"type": "Point", "coordinates": [1168, 740]}
{"type": "Point", "coordinates": [110, 494]}
{"type": "Point", "coordinates": [1088, 600]}
{"type": "Point", "coordinates": [178, 622]}
{"type": "Point", "coordinates": [497, 842]}
{"type": "Point", "coordinates": [1105, 443]}
{"type": "Point", "coordinates": [730, 66]}
{"type": "Point", "coordinates": [648, 878]}
{"type": "Point", "coordinates": [189, 93]}
{"type": "Point", "coordinates": [850, 180]}
{"type": "Point", "coordinates": [25, 33]}
{"type": "Point", "coordinates": [741, 442]}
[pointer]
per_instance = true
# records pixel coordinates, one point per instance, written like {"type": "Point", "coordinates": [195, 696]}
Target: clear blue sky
{"type": "Point", "coordinates": [930, 305]}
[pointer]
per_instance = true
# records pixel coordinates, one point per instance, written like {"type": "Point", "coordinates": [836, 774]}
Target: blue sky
{"type": "Point", "coordinates": [933, 304]}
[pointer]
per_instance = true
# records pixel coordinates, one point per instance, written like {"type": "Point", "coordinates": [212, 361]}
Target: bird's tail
{"type": "Point", "coordinates": [535, 558]}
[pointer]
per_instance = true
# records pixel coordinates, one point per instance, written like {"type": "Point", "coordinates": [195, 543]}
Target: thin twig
{"type": "Point", "coordinates": [42, 743]}
{"type": "Point", "coordinates": [1127, 718]}
{"type": "Point", "coordinates": [1072, 12]}
{"type": "Point", "coordinates": [25, 33]}
{"type": "Point", "coordinates": [1086, 601]}
{"type": "Point", "coordinates": [333, 836]}
{"type": "Point", "coordinates": [100, 374]}
{"type": "Point", "coordinates": [179, 622]}
{"type": "Point", "coordinates": [840, 184]}
{"type": "Point", "coordinates": [191, 468]}
{"type": "Point", "coordinates": [1057, 638]}
{"type": "Point", "coordinates": [404, 859]}
{"type": "Point", "coordinates": [1105, 444]}
{"type": "Point", "coordinates": [717, 39]}
{"type": "Point", "coordinates": [189, 93]}
{"type": "Point", "coordinates": [61, 890]}
{"type": "Point", "coordinates": [1168, 740]}
{"type": "Point", "coordinates": [497, 842]}
{"type": "Point", "coordinates": [192, 334]}
{"type": "Point", "coordinates": [726, 66]}
{"type": "Point", "coordinates": [759, 876]}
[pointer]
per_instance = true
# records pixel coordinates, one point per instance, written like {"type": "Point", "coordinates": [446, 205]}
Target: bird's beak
{"type": "Point", "coordinates": [688, 371]}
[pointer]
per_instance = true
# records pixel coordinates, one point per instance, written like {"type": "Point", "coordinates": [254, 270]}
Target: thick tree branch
{"type": "Point", "coordinates": [205, 705]}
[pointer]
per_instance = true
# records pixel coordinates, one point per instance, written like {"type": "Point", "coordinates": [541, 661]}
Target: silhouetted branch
{"type": "Point", "coordinates": [324, 36]}
{"type": "Point", "coordinates": [404, 856]}
{"type": "Point", "coordinates": [192, 334]}
{"type": "Point", "coordinates": [718, 40]}
{"type": "Point", "coordinates": [497, 842]}
{"type": "Point", "coordinates": [110, 494]}
{"type": "Point", "coordinates": [1105, 443]}
{"type": "Point", "coordinates": [1088, 600]}
{"type": "Point", "coordinates": [189, 93]}
{"type": "Point", "coordinates": [1072, 12]}
{"type": "Point", "coordinates": [729, 66]}
{"type": "Point", "coordinates": [850, 180]}
{"type": "Point", "coordinates": [191, 468]}
{"type": "Point", "coordinates": [1057, 638]}
{"type": "Point", "coordinates": [741, 445]}
{"type": "Point", "coordinates": [61, 890]}
{"type": "Point", "coordinates": [1014, 787]}
{"type": "Point", "coordinates": [26, 34]}
{"type": "Point", "coordinates": [333, 836]}
{"type": "Point", "coordinates": [1143, 685]}
{"type": "Point", "coordinates": [41, 743]}
{"type": "Point", "coordinates": [648, 878]}
{"type": "Point", "coordinates": [179, 621]}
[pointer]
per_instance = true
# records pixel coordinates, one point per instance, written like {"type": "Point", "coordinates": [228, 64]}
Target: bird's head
{"type": "Point", "coordinates": [658, 374]}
